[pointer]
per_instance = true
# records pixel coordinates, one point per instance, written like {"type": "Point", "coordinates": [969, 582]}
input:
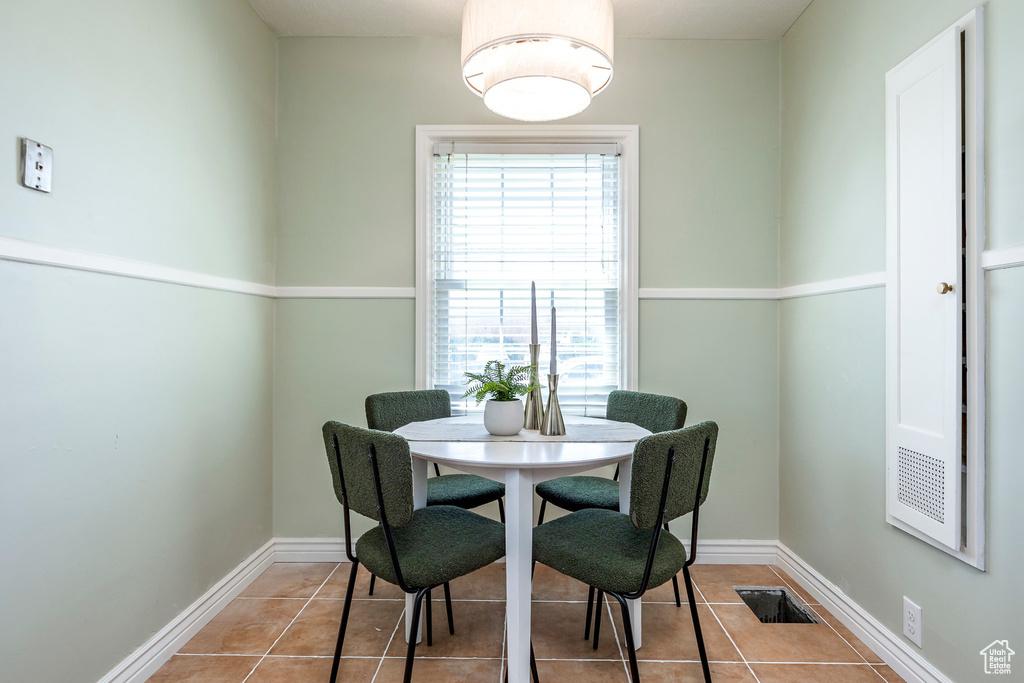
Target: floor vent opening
{"type": "Point", "coordinates": [775, 605]}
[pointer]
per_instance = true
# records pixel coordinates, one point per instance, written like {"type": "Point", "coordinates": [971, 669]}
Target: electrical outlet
{"type": "Point", "coordinates": [36, 165]}
{"type": "Point", "coordinates": [912, 624]}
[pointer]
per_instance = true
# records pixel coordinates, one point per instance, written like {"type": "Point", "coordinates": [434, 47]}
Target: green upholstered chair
{"type": "Point", "coordinates": [624, 555]}
{"type": "Point", "coordinates": [653, 412]}
{"type": "Point", "coordinates": [418, 550]}
{"type": "Point", "coordinates": [387, 412]}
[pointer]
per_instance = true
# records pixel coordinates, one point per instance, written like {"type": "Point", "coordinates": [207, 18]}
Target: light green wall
{"type": "Point", "coordinates": [708, 117]}
{"type": "Point", "coordinates": [708, 113]}
{"type": "Point", "coordinates": [162, 119]}
{"type": "Point", "coordinates": [135, 417]}
{"type": "Point", "coordinates": [832, 348]}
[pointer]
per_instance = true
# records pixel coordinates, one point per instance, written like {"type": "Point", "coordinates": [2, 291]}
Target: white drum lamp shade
{"type": "Point", "coordinates": [537, 60]}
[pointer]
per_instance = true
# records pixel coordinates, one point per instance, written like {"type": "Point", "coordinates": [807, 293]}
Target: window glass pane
{"type": "Point", "coordinates": [502, 221]}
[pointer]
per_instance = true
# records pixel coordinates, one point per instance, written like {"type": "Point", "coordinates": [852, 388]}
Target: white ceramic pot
{"type": "Point", "coordinates": [504, 418]}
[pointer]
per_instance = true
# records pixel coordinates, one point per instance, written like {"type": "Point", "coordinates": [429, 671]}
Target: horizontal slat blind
{"type": "Point", "coordinates": [502, 221]}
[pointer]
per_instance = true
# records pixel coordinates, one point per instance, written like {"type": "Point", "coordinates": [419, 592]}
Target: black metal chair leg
{"type": "Point", "coordinates": [448, 607]}
{"type": "Point", "coordinates": [373, 578]}
{"type": "Point", "coordinates": [414, 631]}
{"type": "Point", "coordinates": [590, 613]}
{"type": "Point", "coordinates": [540, 517]}
{"type": "Point", "coordinates": [344, 621]}
{"type": "Point", "coordinates": [598, 608]}
{"type": "Point", "coordinates": [696, 625]}
{"type": "Point", "coordinates": [675, 581]}
{"type": "Point", "coordinates": [627, 626]}
{"type": "Point", "coordinates": [501, 511]}
{"type": "Point", "coordinates": [430, 622]}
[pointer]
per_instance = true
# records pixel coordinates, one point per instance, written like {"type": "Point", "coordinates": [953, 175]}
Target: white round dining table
{"type": "Point", "coordinates": [521, 462]}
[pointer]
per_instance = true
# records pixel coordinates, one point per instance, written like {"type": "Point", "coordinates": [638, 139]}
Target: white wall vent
{"type": "Point", "coordinates": [921, 484]}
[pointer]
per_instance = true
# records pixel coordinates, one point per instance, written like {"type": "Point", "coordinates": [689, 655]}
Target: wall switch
{"type": "Point", "coordinates": [912, 621]}
{"type": "Point", "coordinates": [36, 165]}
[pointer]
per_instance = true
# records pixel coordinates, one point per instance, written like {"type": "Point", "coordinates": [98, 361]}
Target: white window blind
{"type": "Point", "coordinates": [501, 221]}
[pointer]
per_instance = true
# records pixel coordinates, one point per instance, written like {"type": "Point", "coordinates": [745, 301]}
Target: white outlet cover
{"type": "Point", "coordinates": [36, 165]}
{"type": "Point", "coordinates": [912, 624]}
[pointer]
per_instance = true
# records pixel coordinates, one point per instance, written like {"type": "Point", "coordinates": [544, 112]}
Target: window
{"type": "Point", "coordinates": [499, 216]}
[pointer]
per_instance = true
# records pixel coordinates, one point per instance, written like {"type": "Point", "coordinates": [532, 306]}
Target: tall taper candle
{"type": "Point", "coordinates": [533, 314]}
{"type": "Point", "coordinates": [553, 365]}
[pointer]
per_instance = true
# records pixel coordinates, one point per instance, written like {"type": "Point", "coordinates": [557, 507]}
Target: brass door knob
{"type": "Point", "coordinates": [944, 288]}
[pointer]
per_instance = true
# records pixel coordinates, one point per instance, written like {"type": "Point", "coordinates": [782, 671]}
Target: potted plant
{"type": "Point", "coordinates": [503, 412]}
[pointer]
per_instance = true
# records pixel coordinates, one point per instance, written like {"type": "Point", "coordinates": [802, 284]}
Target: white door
{"type": "Point", "coordinates": [923, 322]}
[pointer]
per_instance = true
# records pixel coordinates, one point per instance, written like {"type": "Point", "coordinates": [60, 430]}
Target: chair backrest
{"type": "Point", "coordinates": [650, 458]}
{"type": "Point", "coordinates": [348, 453]}
{"type": "Point", "coordinates": [653, 412]}
{"type": "Point", "coordinates": [391, 410]}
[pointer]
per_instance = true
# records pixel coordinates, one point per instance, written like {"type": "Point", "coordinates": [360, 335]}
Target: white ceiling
{"type": "Point", "coordinates": [679, 19]}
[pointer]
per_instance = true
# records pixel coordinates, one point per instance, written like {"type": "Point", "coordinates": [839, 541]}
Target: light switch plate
{"type": "Point", "coordinates": [36, 165]}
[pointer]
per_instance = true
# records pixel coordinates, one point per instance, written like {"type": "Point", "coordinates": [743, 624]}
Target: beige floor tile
{"type": "Point", "coordinates": [245, 626]}
{"type": "Point", "coordinates": [888, 674]}
{"type": "Point", "coordinates": [426, 670]}
{"type": "Point", "coordinates": [335, 587]}
{"type": "Point", "coordinates": [315, 631]}
{"type": "Point", "coordinates": [549, 584]}
{"type": "Point", "coordinates": [204, 669]}
{"type": "Point", "coordinates": [668, 634]}
{"type": "Point", "coordinates": [716, 581]}
{"type": "Point", "coordinates": [289, 580]}
{"type": "Point", "coordinates": [783, 642]}
{"type": "Point", "coordinates": [299, 669]}
{"type": "Point", "coordinates": [483, 584]}
{"type": "Point", "coordinates": [691, 672]}
{"type": "Point", "coordinates": [664, 593]}
{"type": "Point", "coordinates": [479, 627]}
{"type": "Point", "coordinates": [815, 673]}
{"type": "Point", "coordinates": [591, 672]}
{"type": "Point", "coordinates": [853, 640]}
{"type": "Point", "coordinates": [558, 632]}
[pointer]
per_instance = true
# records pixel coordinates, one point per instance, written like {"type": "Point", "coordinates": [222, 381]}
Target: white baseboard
{"type": "Point", "coordinates": [735, 552]}
{"type": "Point", "coordinates": [893, 650]}
{"type": "Point", "coordinates": [310, 549]}
{"type": "Point", "coordinates": [144, 662]}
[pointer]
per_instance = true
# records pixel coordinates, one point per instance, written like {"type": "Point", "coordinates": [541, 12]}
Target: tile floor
{"type": "Point", "coordinates": [283, 628]}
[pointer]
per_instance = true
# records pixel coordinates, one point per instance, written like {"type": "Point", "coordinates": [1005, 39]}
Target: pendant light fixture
{"type": "Point", "coordinates": [537, 60]}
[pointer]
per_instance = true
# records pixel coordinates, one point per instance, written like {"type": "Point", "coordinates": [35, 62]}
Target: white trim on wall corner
{"type": "Point", "coordinates": [346, 292]}
{"type": "Point", "coordinates": [143, 663]}
{"type": "Point", "coordinates": [843, 284]}
{"type": "Point", "coordinates": [893, 649]}
{"type": "Point", "coordinates": [707, 293]}
{"type": "Point", "coordinates": [22, 251]}
{"type": "Point", "coordinates": [41, 254]}
{"type": "Point", "coordinates": [1007, 257]}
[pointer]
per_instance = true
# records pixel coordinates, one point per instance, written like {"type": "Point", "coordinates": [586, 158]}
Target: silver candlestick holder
{"type": "Point", "coordinates": [552, 424]}
{"type": "Point", "coordinates": [534, 399]}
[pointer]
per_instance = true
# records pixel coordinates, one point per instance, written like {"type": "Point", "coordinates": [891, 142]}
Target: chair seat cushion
{"type": "Point", "coordinates": [603, 549]}
{"type": "Point", "coordinates": [441, 543]}
{"type": "Point", "coordinates": [463, 490]}
{"type": "Point", "coordinates": [580, 493]}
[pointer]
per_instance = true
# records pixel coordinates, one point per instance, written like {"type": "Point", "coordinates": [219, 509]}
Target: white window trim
{"type": "Point", "coordinates": [628, 138]}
